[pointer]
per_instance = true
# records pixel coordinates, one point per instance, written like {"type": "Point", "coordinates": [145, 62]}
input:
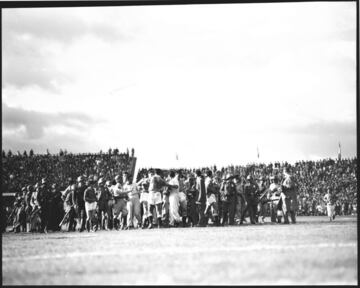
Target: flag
{"type": "Point", "coordinates": [177, 157]}
{"type": "Point", "coordinates": [339, 153]}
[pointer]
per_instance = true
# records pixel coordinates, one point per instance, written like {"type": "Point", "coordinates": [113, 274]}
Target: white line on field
{"type": "Point", "coordinates": [191, 250]}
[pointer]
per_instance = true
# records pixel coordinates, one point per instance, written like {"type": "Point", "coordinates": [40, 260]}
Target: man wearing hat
{"type": "Point", "coordinates": [228, 200]}
{"type": "Point", "coordinates": [250, 197]}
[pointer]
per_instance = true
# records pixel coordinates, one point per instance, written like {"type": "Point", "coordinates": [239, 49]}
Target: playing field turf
{"type": "Point", "coordinates": [313, 251]}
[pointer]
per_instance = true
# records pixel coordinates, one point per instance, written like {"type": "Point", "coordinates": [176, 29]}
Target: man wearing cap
{"type": "Point", "coordinates": [228, 200]}
{"type": "Point", "coordinates": [250, 197]}
{"type": "Point", "coordinates": [133, 204]}
{"type": "Point", "coordinates": [79, 202]}
{"type": "Point", "coordinates": [90, 200]}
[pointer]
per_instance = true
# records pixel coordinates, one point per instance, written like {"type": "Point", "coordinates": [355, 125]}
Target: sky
{"type": "Point", "coordinates": [212, 84]}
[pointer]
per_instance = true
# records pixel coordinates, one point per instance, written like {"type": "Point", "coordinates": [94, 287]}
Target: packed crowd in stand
{"type": "Point", "coordinates": [99, 193]}
{"type": "Point", "coordinates": [27, 168]}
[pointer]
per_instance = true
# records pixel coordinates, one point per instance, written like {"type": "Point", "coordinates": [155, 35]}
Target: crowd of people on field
{"type": "Point", "coordinates": [313, 178]}
{"type": "Point", "coordinates": [186, 197]}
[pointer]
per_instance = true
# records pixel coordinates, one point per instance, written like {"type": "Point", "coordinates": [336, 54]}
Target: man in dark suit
{"type": "Point", "coordinates": [79, 202]}
{"type": "Point", "coordinates": [250, 197]}
{"type": "Point", "coordinates": [201, 198]}
{"type": "Point", "coordinates": [43, 198]}
{"type": "Point", "coordinates": [228, 200]}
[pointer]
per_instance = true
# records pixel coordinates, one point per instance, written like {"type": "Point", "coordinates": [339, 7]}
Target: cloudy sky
{"type": "Point", "coordinates": [208, 82]}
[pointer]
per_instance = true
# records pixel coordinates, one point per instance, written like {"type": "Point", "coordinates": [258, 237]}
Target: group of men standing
{"type": "Point", "coordinates": [178, 201]}
{"type": "Point", "coordinates": [37, 208]}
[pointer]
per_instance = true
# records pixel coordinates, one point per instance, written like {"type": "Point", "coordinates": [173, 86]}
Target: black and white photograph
{"type": "Point", "coordinates": [172, 143]}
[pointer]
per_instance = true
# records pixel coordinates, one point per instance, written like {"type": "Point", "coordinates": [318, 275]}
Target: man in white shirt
{"type": "Point", "coordinates": [275, 190]}
{"type": "Point", "coordinates": [330, 205]}
{"type": "Point", "coordinates": [174, 200]}
{"type": "Point", "coordinates": [119, 209]}
{"type": "Point", "coordinates": [133, 204]}
{"type": "Point", "coordinates": [144, 199]}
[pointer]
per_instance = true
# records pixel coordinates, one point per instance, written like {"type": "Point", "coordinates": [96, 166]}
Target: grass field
{"type": "Point", "coordinates": [313, 251]}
